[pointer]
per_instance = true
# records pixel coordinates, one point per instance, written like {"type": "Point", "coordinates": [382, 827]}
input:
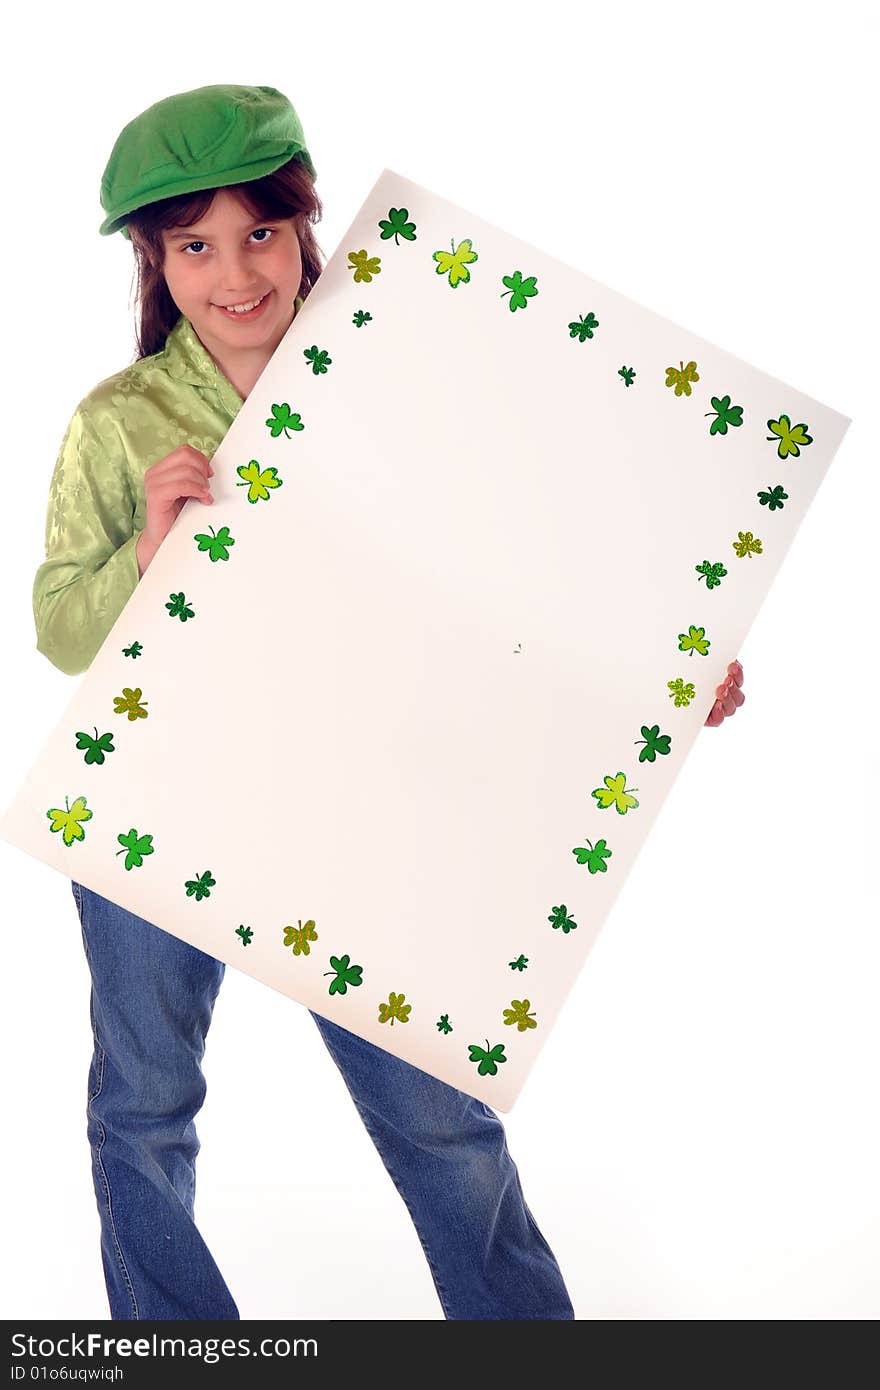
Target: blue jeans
{"type": "Point", "coordinates": [152, 998]}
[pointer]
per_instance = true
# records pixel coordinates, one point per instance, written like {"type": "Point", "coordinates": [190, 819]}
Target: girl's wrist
{"type": "Point", "coordinates": [144, 552]}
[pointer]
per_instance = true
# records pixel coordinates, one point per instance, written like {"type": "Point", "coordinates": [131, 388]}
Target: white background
{"type": "Point", "coordinates": [699, 1138]}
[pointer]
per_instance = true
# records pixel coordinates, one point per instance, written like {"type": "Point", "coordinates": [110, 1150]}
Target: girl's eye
{"type": "Point", "coordinates": [271, 230]}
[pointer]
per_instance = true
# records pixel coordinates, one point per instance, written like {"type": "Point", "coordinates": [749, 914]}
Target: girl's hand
{"type": "Point", "coordinates": [168, 483]}
{"type": "Point", "coordinates": [728, 695]}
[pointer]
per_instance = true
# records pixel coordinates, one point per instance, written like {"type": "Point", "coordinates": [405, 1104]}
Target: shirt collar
{"type": "Point", "coordinates": [186, 358]}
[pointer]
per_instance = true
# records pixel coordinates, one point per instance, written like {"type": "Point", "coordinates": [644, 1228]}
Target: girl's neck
{"type": "Point", "coordinates": [243, 368]}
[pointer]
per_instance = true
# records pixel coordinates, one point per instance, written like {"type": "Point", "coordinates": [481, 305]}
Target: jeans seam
{"type": "Point", "coordinates": [526, 1208]}
{"type": "Point", "coordinates": [102, 1057]}
{"type": "Point", "coordinates": [106, 1182]}
{"type": "Point", "coordinates": [441, 1291]}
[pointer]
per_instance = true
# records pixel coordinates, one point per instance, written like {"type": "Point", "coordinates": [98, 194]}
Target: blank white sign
{"type": "Point", "coordinates": [403, 737]}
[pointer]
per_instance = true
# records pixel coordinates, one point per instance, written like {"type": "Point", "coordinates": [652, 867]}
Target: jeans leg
{"type": "Point", "coordinates": [152, 999]}
{"type": "Point", "coordinates": [447, 1154]}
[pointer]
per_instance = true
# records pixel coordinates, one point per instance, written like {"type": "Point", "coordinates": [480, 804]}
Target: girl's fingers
{"type": "Point", "coordinates": [186, 468]}
{"type": "Point", "coordinates": [190, 477]}
{"type": "Point", "coordinates": [731, 700]}
{"type": "Point", "coordinates": [178, 471]}
{"type": "Point", "coordinates": [728, 696]}
{"type": "Point", "coordinates": [183, 493]}
{"type": "Point", "coordinates": [730, 691]}
{"type": "Point", "coordinates": [729, 687]}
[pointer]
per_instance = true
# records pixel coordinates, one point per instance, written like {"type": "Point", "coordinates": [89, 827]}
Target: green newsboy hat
{"type": "Point", "coordinates": [204, 138]}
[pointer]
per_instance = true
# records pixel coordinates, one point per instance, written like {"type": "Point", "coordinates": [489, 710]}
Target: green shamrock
{"type": "Point", "coordinates": [594, 857]}
{"type": "Point", "coordinates": [725, 414]}
{"type": "Point", "coordinates": [258, 483]}
{"type": "Point", "coordinates": [133, 651]}
{"type": "Point", "coordinates": [217, 544]}
{"type": "Point", "coordinates": [179, 608]}
{"type": "Point", "coordinates": [361, 316]}
{"type": "Point", "coordinates": [583, 327]}
{"type": "Point", "coordinates": [281, 420]}
{"type": "Point", "coordinates": [444, 1025]}
{"type": "Point", "coordinates": [713, 573]}
{"type": "Point", "coordinates": [488, 1060]}
{"type": "Point", "coordinates": [521, 963]}
{"type": "Point", "coordinates": [345, 974]}
{"type": "Point", "coordinates": [320, 360]}
{"type": "Point", "coordinates": [137, 846]}
{"type": "Point", "coordinates": [789, 438]}
{"type": "Point", "coordinates": [773, 499]}
{"type": "Point", "coordinates": [654, 742]}
{"type": "Point", "coordinates": [246, 935]}
{"type": "Point", "coordinates": [627, 373]}
{"type": "Point", "coordinates": [397, 225]}
{"type": "Point", "coordinates": [96, 747]}
{"type": "Point", "coordinates": [560, 918]}
{"type": "Point", "coordinates": [520, 290]}
{"type": "Point", "coordinates": [200, 886]}
{"type": "Point", "coordinates": [695, 640]}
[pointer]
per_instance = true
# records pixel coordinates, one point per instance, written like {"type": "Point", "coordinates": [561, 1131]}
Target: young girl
{"type": "Point", "coordinates": [215, 190]}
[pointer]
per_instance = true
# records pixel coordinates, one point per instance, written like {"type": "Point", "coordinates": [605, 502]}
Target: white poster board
{"type": "Point", "coordinates": [498, 531]}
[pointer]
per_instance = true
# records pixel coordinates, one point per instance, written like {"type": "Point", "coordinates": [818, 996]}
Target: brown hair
{"type": "Point", "coordinates": [286, 192]}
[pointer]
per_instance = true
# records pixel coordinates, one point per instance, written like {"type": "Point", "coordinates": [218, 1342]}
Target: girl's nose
{"type": "Point", "coordinates": [234, 274]}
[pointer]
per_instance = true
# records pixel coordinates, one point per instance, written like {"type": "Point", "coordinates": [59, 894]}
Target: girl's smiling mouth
{"type": "Point", "coordinates": [247, 315]}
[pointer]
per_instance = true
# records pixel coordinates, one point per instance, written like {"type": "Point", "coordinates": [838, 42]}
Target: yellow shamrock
{"type": "Point", "coordinates": [130, 702]}
{"type": "Point", "coordinates": [395, 1008]}
{"type": "Point", "coordinates": [747, 545]}
{"type": "Point", "coordinates": [258, 483]}
{"type": "Point", "coordinates": [681, 377]}
{"type": "Point", "coordinates": [455, 263]}
{"type": "Point", "coordinates": [69, 820]}
{"type": "Point", "coordinates": [365, 266]}
{"type": "Point", "coordinates": [299, 937]}
{"type": "Point", "coordinates": [520, 1015]}
{"type": "Point", "coordinates": [614, 794]}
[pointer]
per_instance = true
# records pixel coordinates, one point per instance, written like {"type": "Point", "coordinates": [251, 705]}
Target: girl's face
{"type": "Point", "coordinates": [227, 258]}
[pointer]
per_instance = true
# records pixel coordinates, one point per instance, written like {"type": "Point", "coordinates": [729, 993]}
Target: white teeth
{"type": "Point", "coordinates": [243, 308]}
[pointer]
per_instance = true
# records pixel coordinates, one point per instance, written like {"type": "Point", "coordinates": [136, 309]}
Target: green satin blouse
{"type": "Point", "coordinates": [97, 507]}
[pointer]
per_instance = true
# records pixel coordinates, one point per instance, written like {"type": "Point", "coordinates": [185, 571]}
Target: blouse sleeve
{"type": "Point", "coordinates": [90, 570]}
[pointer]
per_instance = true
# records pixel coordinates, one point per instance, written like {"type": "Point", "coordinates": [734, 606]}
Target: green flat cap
{"type": "Point", "coordinates": [204, 138]}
